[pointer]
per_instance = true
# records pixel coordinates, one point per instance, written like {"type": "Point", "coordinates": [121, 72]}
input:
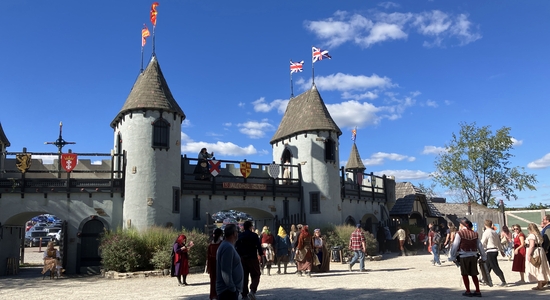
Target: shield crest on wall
{"type": "Point", "coordinates": [214, 167]}
{"type": "Point", "coordinates": [68, 161]}
{"type": "Point", "coordinates": [273, 170]}
{"type": "Point", "coordinates": [246, 169]}
{"type": "Point", "coordinates": [23, 162]}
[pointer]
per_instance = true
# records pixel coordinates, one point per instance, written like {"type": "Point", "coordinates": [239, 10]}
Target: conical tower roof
{"type": "Point", "coordinates": [150, 91]}
{"type": "Point", "coordinates": [304, 113]}
{"type": "Point", "coordinates": [354, 161]}
{"type": "Point", "coordinates": [3, 138]}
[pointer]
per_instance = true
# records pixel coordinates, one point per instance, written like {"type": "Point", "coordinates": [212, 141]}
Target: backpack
{"type": "Point", "coordinates": [437, 238]}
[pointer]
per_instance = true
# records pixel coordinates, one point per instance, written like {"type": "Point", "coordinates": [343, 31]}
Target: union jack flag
{"type": "Point", "coordinates": [296, 67]}
{"type": "Point", "coordinates": [319, 54]}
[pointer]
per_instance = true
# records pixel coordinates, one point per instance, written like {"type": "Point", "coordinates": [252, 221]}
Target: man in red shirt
{"type": "Point", "coordinates": [358, 245]}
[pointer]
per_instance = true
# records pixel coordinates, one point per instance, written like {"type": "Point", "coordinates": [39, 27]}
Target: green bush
{"type": "Point", "coordinates": [339, 235]}
{"type": "Point", "coordinates": [120, 252]}
{"type": "Point", "coordinates": [131, 250]}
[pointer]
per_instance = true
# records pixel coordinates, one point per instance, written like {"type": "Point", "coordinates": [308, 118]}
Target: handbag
{"type": "Point", "coordinates": [535, 259]}
{"type": "Point", "coordinates": [504, 240]}
{"type": "Point", "coordinates": [316, 260]}
{"type": "Point", "coordinates": [300, 255]}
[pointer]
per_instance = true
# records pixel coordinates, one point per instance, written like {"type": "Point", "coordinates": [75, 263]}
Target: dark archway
{"type": "Point", "coordinates": [89, 234]}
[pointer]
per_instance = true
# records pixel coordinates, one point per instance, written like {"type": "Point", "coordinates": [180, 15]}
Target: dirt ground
{"type": "Point", "coordinates": [410, 277]}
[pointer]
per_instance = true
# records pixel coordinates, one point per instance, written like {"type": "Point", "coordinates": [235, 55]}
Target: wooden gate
{"type": "Point", "coordinates": [287, 222]}
{"type": "Point", "coordinates": [89, 257]}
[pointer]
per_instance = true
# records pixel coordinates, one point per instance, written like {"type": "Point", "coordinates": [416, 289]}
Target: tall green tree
{"type": "Point", "coordinates": [477, 163]}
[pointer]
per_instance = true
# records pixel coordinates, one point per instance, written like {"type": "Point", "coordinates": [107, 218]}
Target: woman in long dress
{"type": "Point", "coordinates": [304, 252]}
{"type": "Point", "coordinates": [541, 273]}
{"type": "Point", "coordinates": [267, 241]}
{"type": "Point", "coordinates": [518, 265]}
{"type": "Point", "coordinates": [52, 260]}
{"type": "Point", "coordinates": [293, 242]}
{"type": "Point", "coordinates": [180, 263]}
{"type": "Point", "coordinates": [211, 261]}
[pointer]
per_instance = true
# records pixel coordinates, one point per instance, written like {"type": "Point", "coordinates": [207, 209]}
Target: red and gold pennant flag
{"type": "Point", "coordinates": [154, 13]}
{"type": "Point", "coordinates": [144, 34]}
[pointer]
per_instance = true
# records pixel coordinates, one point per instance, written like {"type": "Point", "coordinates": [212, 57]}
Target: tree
{"type": "Point", "coordinates": [429, 191]}
{"type": "Point", "coordinates": [477, 163]}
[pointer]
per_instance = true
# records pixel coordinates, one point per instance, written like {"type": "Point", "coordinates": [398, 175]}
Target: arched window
{"type": "Point", "coordinates": [161, 134]}
{"type": "Point", "coordinates": [330, 150]}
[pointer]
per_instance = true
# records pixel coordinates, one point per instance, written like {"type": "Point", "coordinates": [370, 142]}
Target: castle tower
{"type": "Point", "coordinates": [309, 137]}
{"type": "Point", "coordinates": [354, 166]}
{"type": "Point", "coordinates": [4, 143]}
{"type": "Point", "coordinates": [148, 131]}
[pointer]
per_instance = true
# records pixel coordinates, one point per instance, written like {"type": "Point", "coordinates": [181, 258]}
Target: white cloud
{"type": "Point", "coordinates": [540, 163]}
{"type": "Point", "coordinates": [261, 106]}
{"type": "Point", "coordinates": [186, 123]}
{"type": "Point", "coordinates": [433, 150]}
{"type": "Point", "coordinates": [431, 103]}
{"type": "Point", "coordinates": [377, 27]}
{"type": "Point", "coordinates": [379, 158]}
{"type": "Point", "coordinates": [516, 142]}
{"type": "Point", "coordinates": [381, 32]}
{"type": "Point", "coordinates": [367, 95]}
{"type": "Point", "coordinates": [191, 147]}
{"type": "Point", "coordinates": [404, 175]}
{"type": "Point", "coordinates": [352, 113]}
{"type": "Point", "coordinates": [241, 104]}
{"type": "Point", "coordinates": [388, 4]}
{"type": "Point", "coordinates": [255, 129]}
{"type": "Point", "coordinates": [228, 124]}
{"type": "Point", "coordinates": [346, 82]}
{"type": "Point", "coordinates": [46, 159]}
{"type": "Point", "coordinates": [448, 102]}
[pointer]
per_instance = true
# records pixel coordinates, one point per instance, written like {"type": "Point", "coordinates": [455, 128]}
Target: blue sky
{"type": "Point", "coordinates": [406, 73]}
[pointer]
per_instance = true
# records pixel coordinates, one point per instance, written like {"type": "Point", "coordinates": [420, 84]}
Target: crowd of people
{"type": "Point", "coordinates": [236, 260]}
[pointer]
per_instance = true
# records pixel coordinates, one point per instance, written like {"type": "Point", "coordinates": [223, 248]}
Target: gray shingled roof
{"type": "Point", "coordinates": [406, 193]}
{"type": "Point", "coordinates": [3, 138]}
{"type": "Point", "coordinates": [304, 113]}
{"type": "Point", "coordinates": [150, 91]}
{"type": "Point", "coordinates": [460, 209]}
{"type": "Point", "coordinates": [354, 161]}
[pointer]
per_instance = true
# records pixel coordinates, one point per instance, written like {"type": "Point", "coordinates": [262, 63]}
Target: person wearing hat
{"type": "Point", "coordinates": [467, 245]}
{"type": "Point", "coordinates": [358, 245]}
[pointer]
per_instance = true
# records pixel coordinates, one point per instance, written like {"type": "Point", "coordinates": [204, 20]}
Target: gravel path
{"type": "Point", "coordinates": [392, 278]}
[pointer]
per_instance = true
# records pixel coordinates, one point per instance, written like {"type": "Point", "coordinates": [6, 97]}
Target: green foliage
{"type": "Point", "coordinates": [197, 254]}
{"type": "Point", "coordinates": [339, 235]}
{"type": "Point", "coordinates": [131, 250]}
{"type": "Point", "coordinates": [477, 163]}
{"type": "Point", "coordinates": [120, 252]}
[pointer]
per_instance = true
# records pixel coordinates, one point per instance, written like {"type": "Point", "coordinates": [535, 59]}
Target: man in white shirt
{"type": "Point", "coordinates": [400, 235]}
{"type": "Point", "coordinates": [491, 243]}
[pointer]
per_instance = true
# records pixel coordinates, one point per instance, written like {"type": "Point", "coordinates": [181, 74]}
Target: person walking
{"type": "Point", "coordinates": [518, 265]}
{"type": "Point", "coordinates": [249, 248]}
{"type": "Point", "coordinates": [267, 241]}
{"type": "Point", "coordinates": [434, 239]}
{"type": "Point", "coordinates": [401, 235]}
{"type": "Point", "coordinates": [358, 244]}
{"type": "Point", "coordinates": [229, 270]}
{"type": "Point", "coordinates": [507, 241]}
{"type": "Point", "coordinates": [540, 272]}
{"type": "Point", "coordinates": [304, 252]}
{"type": "Point", "coordinates": [467, 246]}
{"type": "Point", "coordinates": [180, 263]}
{"type": "Point", "coordinates": [293, 240]}
{"type": "Point", "coordinates": [545, 233]}
{"type": "Point", "coordinates": [282, 246]}
{"type": "Point", "coordinates": [491, 243]}
{"type": "Point", "coordinates": [211, 260]}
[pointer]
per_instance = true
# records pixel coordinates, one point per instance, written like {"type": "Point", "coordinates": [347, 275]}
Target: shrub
{"type": "Point", "coordinates": [339, 235]}
{"type": "Point", "coordinates": [131, 250]}
{"type": "Point", "coordinates": [120, 252]}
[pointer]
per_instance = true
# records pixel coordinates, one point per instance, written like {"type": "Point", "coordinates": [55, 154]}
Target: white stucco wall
{"type": "Point", "coordinates": [151, 173]}
{"type": "Point", "coordinates": [318, 175]}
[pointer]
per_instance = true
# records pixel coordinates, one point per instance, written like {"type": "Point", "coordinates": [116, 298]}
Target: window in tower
{"type": "Point", "coordinates": [314, 203]}
{"type": "Point", "coordinates": [161, 134]}
{"type": "Point", "coordinates": [330, 150]}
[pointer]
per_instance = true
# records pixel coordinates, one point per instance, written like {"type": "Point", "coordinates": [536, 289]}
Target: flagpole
{"type": "Point", "coordinates": [312, 74]}
{"type": "Point", "coordinates": [291, 87]}
{"type": "Point", "coordinates": [141, 68]}
{"type": "Point", "coordinates": [154, 40]}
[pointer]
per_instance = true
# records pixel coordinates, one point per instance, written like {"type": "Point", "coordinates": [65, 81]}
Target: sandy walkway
{"type": "Point", "coordinates": [392, 278]}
